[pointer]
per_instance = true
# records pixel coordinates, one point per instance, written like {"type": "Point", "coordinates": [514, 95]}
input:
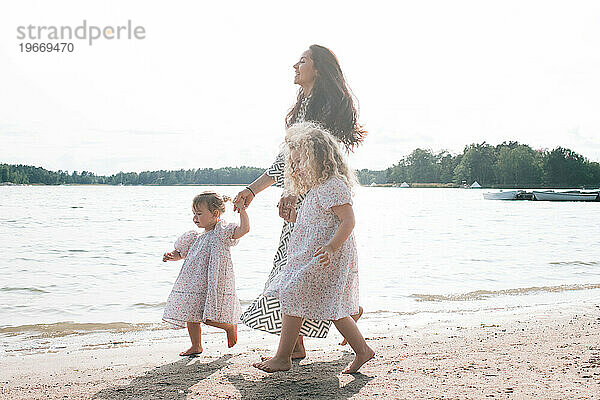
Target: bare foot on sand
{"type": "Point", "coordinates": [294, 357]}
{"type": "Point", "coordinates": [355, 317]}
{"type": "Point", "coordinates": [274, 364]}
{"type": "Point", "coordinates": [192, 351]}
{"type": "Point", "coordinates": [231, 335]}
{"type": "Point", "coordinates": [299, 355]}
{"type": "Point", "coordinates": [299, 352]}
{"type": "Point", "coordinates": [358, 362]}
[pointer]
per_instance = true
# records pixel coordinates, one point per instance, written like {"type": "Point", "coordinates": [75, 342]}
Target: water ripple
{"type": "Point", "coordinates": [484, 294]}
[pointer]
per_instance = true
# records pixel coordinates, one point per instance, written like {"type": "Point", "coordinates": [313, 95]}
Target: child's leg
{"type": "Point", "coordinates": [195, 333]}
{"type": "Point", "coordinates": [355, 317]}
{"type": "Point", "coordinates": [290, 328]}
{"type": "Point", "coordinates": [364, 353]}
{"type": "Point", "coordinates": [230, 329]}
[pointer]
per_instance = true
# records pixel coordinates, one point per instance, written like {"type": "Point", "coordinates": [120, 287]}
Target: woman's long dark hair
{"type": "Point", "coordinates": [331, 102]}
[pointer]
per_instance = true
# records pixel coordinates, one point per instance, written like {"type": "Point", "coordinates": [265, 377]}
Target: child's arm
{"type": "Point", "coordinates": [346, 215]}
{"type": "Point", "coordinates": [172, 256]}
{"type": "Point", "coordinates": [244, 225]}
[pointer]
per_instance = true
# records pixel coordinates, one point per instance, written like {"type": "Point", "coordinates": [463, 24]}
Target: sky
{"type": "Point", "coordinates": [211, 82]}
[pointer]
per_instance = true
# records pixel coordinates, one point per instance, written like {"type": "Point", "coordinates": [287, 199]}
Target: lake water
{"type": "Point", "coordinates": [78, 258]}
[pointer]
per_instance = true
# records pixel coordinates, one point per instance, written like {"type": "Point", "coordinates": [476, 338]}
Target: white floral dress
{"type": "Point", "coordinates": [304, 287]}
{"type": "Point", "coordinates": [205, 287]}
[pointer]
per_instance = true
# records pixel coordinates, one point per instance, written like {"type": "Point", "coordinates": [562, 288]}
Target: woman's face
{"type": "Point", "coordinates": [305, 71]}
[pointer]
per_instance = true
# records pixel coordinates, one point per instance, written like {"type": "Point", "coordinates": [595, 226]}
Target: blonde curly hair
{"type": "Point", "coordinates": [321, 154]}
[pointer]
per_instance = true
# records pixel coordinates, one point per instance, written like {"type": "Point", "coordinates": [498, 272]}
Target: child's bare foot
{"type": "Point", "coordinates": [355, 317]}
{"type": "Point", "coordinates": [231, 335]}
{"type": "Point", "coordinates": [192, 351]}
{"type": "Point", "coordinates": [274, 364]}
{"type": "Point", "coordinates": [359, 360]}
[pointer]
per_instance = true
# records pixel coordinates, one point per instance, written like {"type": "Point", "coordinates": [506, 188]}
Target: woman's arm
{"type": "Point", "coordinates": [243, 199]}
{"type": "Point", "coordinates": [346, 215]}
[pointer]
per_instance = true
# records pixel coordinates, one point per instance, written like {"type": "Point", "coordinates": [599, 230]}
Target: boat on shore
{"type": "Point", "coordinates": [501, 195]}
{"type": "Point", "coordinates": [548, 195]}
{"type": "Point", "coordinates": [572, 195]}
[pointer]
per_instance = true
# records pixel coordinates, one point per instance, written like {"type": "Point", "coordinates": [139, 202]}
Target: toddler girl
{"type": "Point", "coordinates": [320, 280]}
{"type": "Point", "coordinates": [205, 288]}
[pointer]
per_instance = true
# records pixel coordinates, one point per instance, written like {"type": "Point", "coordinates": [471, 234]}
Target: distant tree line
{"type": "Point", "coordinates": [506, 165]}
{"type": "Point", "coordinates": [26, 174]}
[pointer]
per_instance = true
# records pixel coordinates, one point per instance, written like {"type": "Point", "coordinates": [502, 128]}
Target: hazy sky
{"type": "Point", "coordinates": [210, 84]}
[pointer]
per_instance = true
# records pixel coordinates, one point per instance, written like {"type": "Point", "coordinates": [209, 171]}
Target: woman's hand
{"type": "Point", "coordinates": [324, 255]}
{"type": "Point", "coordinates": [292, 215]}
{"type": "Point", "coordinates": [172, 256]}
{"type": "Point", "coordinates": [286, 204]}
{"type": "Point", "coordinates": [243, 199]}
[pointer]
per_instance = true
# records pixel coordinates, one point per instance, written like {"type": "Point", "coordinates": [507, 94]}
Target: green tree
{"type": "Point", "coordinates": [477, 164]}
{"type": "Point", "coordinates": [565, 168]}
{"type": "Point", "coordinates": [517, 165]}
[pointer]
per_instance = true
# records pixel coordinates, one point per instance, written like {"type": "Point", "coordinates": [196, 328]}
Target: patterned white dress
{"type": "Point", "coordinates": [205, 287]}
{"type": "Point", "coordinates": [304, 287]}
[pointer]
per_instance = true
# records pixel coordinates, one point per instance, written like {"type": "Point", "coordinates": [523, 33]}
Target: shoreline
{"type": "Point", "coordinates": [546, 352]}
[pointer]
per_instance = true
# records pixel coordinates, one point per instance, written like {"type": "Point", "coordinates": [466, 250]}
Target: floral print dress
{"type": "Point", "coordinates": [304, 287]}
{"type": "Point", "coordinates": [205, 287]}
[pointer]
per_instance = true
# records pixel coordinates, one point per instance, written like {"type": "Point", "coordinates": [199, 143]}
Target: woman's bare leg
{"type": "Point", "coordinates": [347, 327]}
{"type": "Point", "coordinates": [355, 317]}
{"type": "Point", "coordinates": [195, 333]}
{"type": "Point", "coordinates": [299, 351]}
{"type": "Point", "coordinates": [230, 329]}
{"type": "Point", "coordinates": [282, 361]}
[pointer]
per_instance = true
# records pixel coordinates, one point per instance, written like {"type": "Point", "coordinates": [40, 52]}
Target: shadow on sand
{"type": "Point", "coordinates": [318, 380]}
{"type": "Point", "coordinates": [169, 381]}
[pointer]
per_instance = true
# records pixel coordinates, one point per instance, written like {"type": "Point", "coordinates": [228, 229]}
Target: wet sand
{"type": "Point", "coordinates": [542, 354]}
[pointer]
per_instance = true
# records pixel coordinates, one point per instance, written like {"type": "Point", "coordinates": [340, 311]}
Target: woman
{"type": "Point", "coordinates": [324, 98]}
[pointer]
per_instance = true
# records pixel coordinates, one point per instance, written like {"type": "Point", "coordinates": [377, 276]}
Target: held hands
{"type": "Point", "coordinates": [172, 256]}
{"type": "Point", "coordinates": [324, 254]}
{"type": "Point", "coordinates": [287, 208]}
{"type": "Point", "coordinates": [242, 200]}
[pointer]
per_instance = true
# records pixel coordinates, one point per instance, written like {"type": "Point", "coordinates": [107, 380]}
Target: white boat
{"type": "Point", "coordinates": [574, 195]}
{"type": "Point", "coordinates": [508, 195]}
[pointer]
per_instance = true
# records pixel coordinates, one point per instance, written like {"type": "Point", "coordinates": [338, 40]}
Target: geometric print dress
{"type": "Point", "coordinates": [265, 311]}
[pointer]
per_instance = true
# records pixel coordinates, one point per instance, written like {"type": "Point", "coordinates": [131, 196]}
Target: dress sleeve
{"type": "Point", "coordinates": [334, 192]}
{"type": "Point", "coordinates": [276, 170]}
{"type": "Point", "coordinates": [182, 245]}
{"type": "Point", "coordinates": [225, 233]}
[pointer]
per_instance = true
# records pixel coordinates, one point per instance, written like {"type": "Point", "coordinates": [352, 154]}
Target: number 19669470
{"type": "Point", "coordinates": [46, 47]}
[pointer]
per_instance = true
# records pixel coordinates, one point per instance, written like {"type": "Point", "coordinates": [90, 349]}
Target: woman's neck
{"type": "Point", "coordinates": [307, 89]}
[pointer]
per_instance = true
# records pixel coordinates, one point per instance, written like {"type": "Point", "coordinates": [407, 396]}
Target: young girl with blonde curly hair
{"type": "Point", "coordinates": [320, 280]}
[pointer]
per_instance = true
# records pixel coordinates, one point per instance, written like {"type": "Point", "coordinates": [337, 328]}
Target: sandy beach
{"type": "Point", "coordinates": [543, 353]}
